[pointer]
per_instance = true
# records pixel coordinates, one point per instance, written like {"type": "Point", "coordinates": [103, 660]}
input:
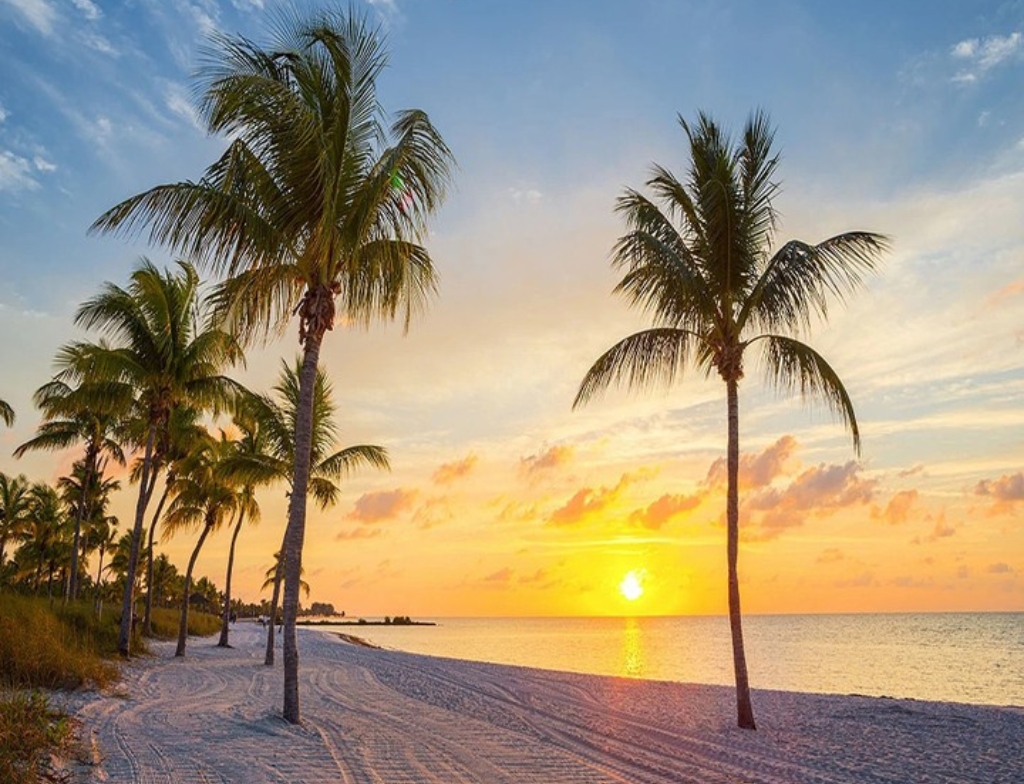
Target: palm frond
{"type": "Point", "coordinates": [654, 357]}
{"type": "Point", "coordinates": [792, 366]}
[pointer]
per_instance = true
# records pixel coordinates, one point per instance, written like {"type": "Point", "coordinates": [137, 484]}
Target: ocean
{"type": "Point", "coordinates": [949, 657]}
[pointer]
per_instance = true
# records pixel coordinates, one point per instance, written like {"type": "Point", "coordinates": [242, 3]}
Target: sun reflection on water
{"type": "Point", "coordinates": [632, 650]}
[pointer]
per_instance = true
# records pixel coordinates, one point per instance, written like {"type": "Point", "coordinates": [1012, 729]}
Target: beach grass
{"type": "Point", "coordinates": [200, 624]}
{"type": "Point", "coordinates": [31, 733]}
{"type": "Point", "coordinates": [54, 646]}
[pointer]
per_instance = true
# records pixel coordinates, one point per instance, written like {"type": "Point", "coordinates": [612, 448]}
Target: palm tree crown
{"type": "Point", "coordinates": [698, 258]}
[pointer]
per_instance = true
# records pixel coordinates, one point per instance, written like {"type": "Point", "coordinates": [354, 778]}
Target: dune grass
{"type": "Point", "coordinates": [200, 624]}
{"type": "Point", "coordinates": [54, 647]}
{"type": "Point", "coordinates": [31, 732]}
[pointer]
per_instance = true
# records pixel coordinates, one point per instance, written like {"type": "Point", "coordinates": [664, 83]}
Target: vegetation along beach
{"type": "Point", "coordinates": [558, 392]}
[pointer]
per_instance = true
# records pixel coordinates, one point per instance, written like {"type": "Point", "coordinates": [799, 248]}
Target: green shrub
{"type": "Point", "coordinates": [30, 732]}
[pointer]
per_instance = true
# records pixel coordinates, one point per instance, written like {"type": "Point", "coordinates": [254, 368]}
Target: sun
{"type": "Point", "coordinates": [631, 586]}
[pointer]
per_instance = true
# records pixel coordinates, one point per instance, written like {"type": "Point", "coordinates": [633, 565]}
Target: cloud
{"type": "Point", "coordinates": [43, 165]}
{"type": "Point", "coordinates": [248, 5]}
{"type": "Point", "coordinates": [819, 491]}
{"type": "Point", "coordinates": [529, 196]}
{"type": "Point", "coordinates": [981, 55]}
{"type": "Point", "coordinates": [941, 530]}
{"type": "Point", "coordinates": [863, 580]}
{"type": "Point", "coordinates": [449, 472]}
{"type": "Point", "coordinates": [362, 532]}
{"type": "Point", "coordinates": [502, 576]}
{"type": "Point", "coordinates": [39, 13]}
{"type": "Point", "coordinates": [3, 113]}
{"type": "Point", "coordinates": [1006, 292]}
{"type": "Point", "coordinates": [381, 505]}
{"type": "Point", "coordinates": [552, 457]}
{"type": "Point", "coordinates": [387, 10]}
{"type": "Point", "coordinates": [89, 9]}
{"type": "Point", "coordinates": [587, 502]}
{"type": "Point", "coordinates": [16, 173]}
{"type": "Point", "coordinates": [756, 470]}
{"type": "Point", "coordinates": [898, 509]}
{"type": "Point", "coordinates": [664, 509]}
{"type": "Point", "coordinates": [831, 555]}
{"type": "Point", "coordinates": [999, 568]}
{"type": "Point", "coordinates": [1007, 491]}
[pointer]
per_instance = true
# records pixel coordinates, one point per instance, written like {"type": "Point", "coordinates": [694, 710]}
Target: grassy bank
{"type": "Point", "coordinates": [46, 645]}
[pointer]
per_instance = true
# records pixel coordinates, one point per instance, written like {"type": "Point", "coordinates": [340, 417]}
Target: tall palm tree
{"type": "Point", "coordinates": [6, 413]}
{"type": "Point", "coordinates": [698, 258]}
{"type": "Point", "coordinates": [316, 204]}
{"type": "Point", "coordinates": [89, 413]}
{"type": "Point", "coordinates": [250, 444]}
{"type": "Point", "coordinates": [88, 499]}
{"type": "Point", "coordinates": [202, 497]}
{"type": "Point", "coordinates": [168, 353]}
{"type": "Point", "coordinates": [14, 509]}
{"type": "Point", "coordinates": [276, 418]}
{"type": "Point", "coordinates": [181, 434]}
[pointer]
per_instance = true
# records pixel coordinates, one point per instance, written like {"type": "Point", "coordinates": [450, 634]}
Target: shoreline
{"type": "Point", "coordinates": [381, 715]}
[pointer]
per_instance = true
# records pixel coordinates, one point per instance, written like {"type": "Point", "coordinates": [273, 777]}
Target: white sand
{"type": "Point", "coordinates": [393, 718]}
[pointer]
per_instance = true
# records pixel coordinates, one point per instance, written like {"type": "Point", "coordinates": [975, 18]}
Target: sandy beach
{"type": "Point", "coordinates": [394, 718]}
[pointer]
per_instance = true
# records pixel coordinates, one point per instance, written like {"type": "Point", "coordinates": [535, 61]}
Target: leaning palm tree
{"type": "Point", "coordinates": [202, 497]}
{"type": "Point", "coordinates": [317, 204]}
{"type": "Point", "coordinates": [276, 418]}
{"type": "Point", "coordinates": [167, 352]}
{"type": "Point", "coordinates": [90, 413]}
{"type": "Point", "coordinates": [698, 259]}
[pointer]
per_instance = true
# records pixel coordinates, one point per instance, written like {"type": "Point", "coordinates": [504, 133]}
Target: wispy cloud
{"type": "Point", "coordinates": [449, 472]}
{"type": "Point", "coordinates": [89, 9]}
{"type": "Point", "coordinates": [16, 173]}
{"type": "Point", "coordinates": [980, 55]}
{"type": "Point", "coordinates": [550, 458]}
{"type": "Point", "coordinates": [39, 13]}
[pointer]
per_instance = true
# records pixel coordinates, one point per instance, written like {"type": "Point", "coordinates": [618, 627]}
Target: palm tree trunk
{"type": "Point", "coordinates": [296, 531]}
{"type": "Point", "coordinates": [128, 603]}
{"type": "Point", "coordinates": [147, 618]}
{"type": "Point", "coordinates": [744, 709]}
{"type": "Point", "coordinates": [226, 619]}
{"type": "Point", "coordinates": [80, 513]}
{"type": "Point", "coordinates": [268, 660]}
{"type": "Point", "coordinates": [183, 625]}
{"type": "Point", "coordinates": [99, 588]}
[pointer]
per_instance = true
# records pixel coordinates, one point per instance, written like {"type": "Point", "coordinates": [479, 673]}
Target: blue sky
{"type": "Point", "coordinates": [901, 118]}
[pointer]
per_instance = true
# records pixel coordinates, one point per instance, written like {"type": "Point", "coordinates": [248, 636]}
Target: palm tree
{"type": "Point", "coordinates": [273, 576]}
{"type": "Point", "coordinates": [276, 419]}
{"type": "Point", "coordinates": [302, 211]}
{"type": "Point", "coordinates": [104, 536]}
{"type": "Point", "coordinates": [6, 413]}
{"type": "Point", "coordinates": [46, 539]}
{"type": "Point", "coordinates": [89, 413]}
{"type": "Point", "coordinates": [251, 444]}
{"type": "Point", "coordinates": [88, 500]}
{"type": "Point", "coordinates": [204, 497]}
{"type": "Point", "coordinates": [178, 439]}
{"type": "Point", "coordinates": [166, 352]}
{"type": "Point", "coordinates": [715, 289]}
{"type": "Point", "coordinates": [14, 509]}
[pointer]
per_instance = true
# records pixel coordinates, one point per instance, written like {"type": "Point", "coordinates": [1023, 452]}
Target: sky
{"type": "Point", "coordinates": [904, 119]}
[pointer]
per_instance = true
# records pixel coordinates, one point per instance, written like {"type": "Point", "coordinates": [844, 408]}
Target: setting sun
{"type": "Point", "coordinates": [631, 586]}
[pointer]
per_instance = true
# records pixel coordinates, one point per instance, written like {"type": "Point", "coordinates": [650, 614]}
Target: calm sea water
{"type": "Point", "coordinates": [955, 657]}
